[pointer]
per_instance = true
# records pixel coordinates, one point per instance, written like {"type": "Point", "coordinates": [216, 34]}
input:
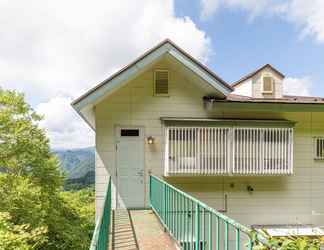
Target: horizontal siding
{"type": "Point", "coordinates": [283, 199]}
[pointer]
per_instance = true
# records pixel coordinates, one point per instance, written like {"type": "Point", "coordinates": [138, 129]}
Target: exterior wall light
{"type": "Point", "coordinates": [150, 140]}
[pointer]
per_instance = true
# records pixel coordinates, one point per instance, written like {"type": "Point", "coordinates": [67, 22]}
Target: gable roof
{"type": "Point", "coordinates": [235, 84]}
{"type": "Point", "coordinates": [166, 46]}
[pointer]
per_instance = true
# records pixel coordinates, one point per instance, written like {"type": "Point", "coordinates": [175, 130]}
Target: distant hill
{"type": "Point", "coordinates": [78, 165]}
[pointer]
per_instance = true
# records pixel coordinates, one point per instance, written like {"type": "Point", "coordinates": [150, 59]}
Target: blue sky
{"type": "Point", "coordinates": [53, 52]}
{"type": "Point", "coordinates": [240, 45]}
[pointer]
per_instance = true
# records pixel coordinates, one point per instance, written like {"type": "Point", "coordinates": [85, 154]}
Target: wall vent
{"type": "Point", "coordinates": [161, 82]}
{"type": "Point", "coordinates": [319, 148]}
{"type": "Point", "coordinates": [267, 84]}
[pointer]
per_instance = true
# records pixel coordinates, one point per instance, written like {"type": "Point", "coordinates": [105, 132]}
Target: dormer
{"type": "Point", "coordinates": [265, 82]}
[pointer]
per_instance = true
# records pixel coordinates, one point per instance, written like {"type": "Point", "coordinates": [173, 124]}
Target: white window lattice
{"type": "Point", "coordinates": [228, 150]}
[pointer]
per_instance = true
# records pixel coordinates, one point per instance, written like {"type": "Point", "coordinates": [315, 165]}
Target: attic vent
{"type": "Point", "coordinates": [161, 82]}
{"type": "Point", "coordinates": [267, 84]}
{"type": "Point", "coordinates": [319, 148]}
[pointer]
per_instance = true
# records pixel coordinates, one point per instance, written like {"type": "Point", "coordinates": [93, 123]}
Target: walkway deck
{"type": "Point", "coordinates": [139, 229]}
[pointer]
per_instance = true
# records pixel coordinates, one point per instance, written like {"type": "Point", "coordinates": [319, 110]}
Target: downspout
{"type": "Point", "coordinates": [209, 105]}
{"type": "Point", "coordinates": [209, 102]}
{"type": "Point", "coordinates": [224, 209]}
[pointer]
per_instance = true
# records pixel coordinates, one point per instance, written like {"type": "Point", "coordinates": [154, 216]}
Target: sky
{"type": "Point", "coordinates": [53, 51]}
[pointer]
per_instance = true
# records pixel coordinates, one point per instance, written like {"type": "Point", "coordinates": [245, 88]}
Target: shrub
{"type": "Point", "coordinates": [20, 237]}
{"type": "Point", "coordinates": [288, 243]}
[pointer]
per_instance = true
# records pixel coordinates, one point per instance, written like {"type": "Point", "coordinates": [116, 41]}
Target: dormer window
{"type": "Point", "coordinates": [267, 85]}
{"type": "Point", "coordinates": [161, 82]}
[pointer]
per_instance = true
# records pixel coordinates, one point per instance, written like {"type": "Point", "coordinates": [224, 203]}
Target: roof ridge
{"type": "Point", "coordinates": [163, 42]}
{"type": "Point", "coordinates": [255, 72]}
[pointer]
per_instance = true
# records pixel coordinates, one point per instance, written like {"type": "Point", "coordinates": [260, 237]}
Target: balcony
{"type": "Point", "coordinates": [228, 150]}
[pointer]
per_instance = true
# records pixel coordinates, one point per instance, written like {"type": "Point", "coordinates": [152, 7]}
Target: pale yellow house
{"type": "Point", "coordinates": [245, 149]}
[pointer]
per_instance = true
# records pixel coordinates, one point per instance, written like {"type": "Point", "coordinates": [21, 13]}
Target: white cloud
{"type": "Point", "coordinates": [308, 15]}
{"type": "Point", "coordinates": [64, 127]}
{"type": "Point", "coordinates": [297, 86]}
{"type": "Point", "coordinates": [64, 47]}
{"type": "Point", "coordinates": [253, 7]}
{"type": "Point", "coordinates": [51, 49]}
{"type": "Point", "coordinates": [208, 8]}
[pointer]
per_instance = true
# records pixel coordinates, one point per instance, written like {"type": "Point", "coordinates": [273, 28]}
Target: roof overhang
{"type": "Point", "coordinates": [84, 104]}
{"type": "Point", "coordinates": [228, 121]}
{"type": "Point", "coordinates": [269, 106]}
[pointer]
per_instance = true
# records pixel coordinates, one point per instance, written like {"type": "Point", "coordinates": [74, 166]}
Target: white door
{"type": "Point", "coordinates": [130, 167]}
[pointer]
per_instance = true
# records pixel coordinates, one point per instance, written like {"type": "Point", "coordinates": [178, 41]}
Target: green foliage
{"type": "Point", "coordinates": [20, 237]}
{"type": "Point", "coordinates": [80, 183]}
{"type": "Point", "coordinates": [22, 199]}
{"type": "Point", "coordinates": [83, 203]}
{"type": "Point", "coordinates": [71, 221]}
{"type": "Point", "coordinates": [36, 214]}
{"type": "Point", "coordinates": [24, 148]}
{"type": "Point", "coordinates": [288, 243]}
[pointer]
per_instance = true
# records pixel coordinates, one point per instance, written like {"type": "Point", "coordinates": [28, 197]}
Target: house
{"type": "Point", "coordinates": [245, 149]}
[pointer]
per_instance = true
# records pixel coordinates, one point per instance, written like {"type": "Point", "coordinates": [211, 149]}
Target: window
{"type": "Point", "coordinates": [230, 150]}
{"type": "Point", "coordinates": [267, 84]}
{"type": "Point", "coordinates": [161, 82]}
{"type": "Point", "coordinates": [319, 148]}
{"type": "Point", "coordinates": [202, 150]}
{"type": "Point", "coordinates": [263, 151]}
{"type": "Point", "coordinates": [129, 132]}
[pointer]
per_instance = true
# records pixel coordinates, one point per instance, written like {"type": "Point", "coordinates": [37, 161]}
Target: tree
{"type": "Point", "coordinates": [24, 147]}
{"type": "Point", "coordinates": [20, 237]}
{"type": "Point", "coordinates": [31, 184]}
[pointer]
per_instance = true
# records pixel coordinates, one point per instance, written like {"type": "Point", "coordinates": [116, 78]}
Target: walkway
{"type": "Point", "coordinates": [139, 229]}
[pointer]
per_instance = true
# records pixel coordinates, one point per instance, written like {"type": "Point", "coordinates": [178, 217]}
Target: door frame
{"type": "Point", "coordinates": [117, 138]}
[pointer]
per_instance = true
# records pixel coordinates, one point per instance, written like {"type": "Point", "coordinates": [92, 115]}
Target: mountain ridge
{"type": "Point", "coordinates": [78, 165]}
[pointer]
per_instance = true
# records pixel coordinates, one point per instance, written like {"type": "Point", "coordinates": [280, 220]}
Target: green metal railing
{"type": "Point", "coordinates": [194, 225]}
{"type": "Point", "coordinates": [100, 238]}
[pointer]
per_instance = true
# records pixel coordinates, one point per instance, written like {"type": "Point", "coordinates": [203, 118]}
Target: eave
{"type": "Point", "coordinates": [122, 77]}
{"type": "Point", "coordinates": [269, 106]}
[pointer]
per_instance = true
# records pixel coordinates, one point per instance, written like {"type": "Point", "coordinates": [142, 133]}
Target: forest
{"type": "Point", "coordinates": [36, 212]}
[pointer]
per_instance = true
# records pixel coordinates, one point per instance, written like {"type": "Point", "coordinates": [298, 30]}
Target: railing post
{"type": "Point", "coordinates": [164, 201]}
{"type": "Point", "coordinates": [100, 238]}
{"type": "Point", "coordinates": [166, 153]}
{"type": "Point", "coordinates": [226, 235]}
{"type": "Point", "coordinates": [197, 227]}
{"type": "Point", "coordinates": [150, 190]}
{"type": "Point", "coordinates": [237, 239]}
